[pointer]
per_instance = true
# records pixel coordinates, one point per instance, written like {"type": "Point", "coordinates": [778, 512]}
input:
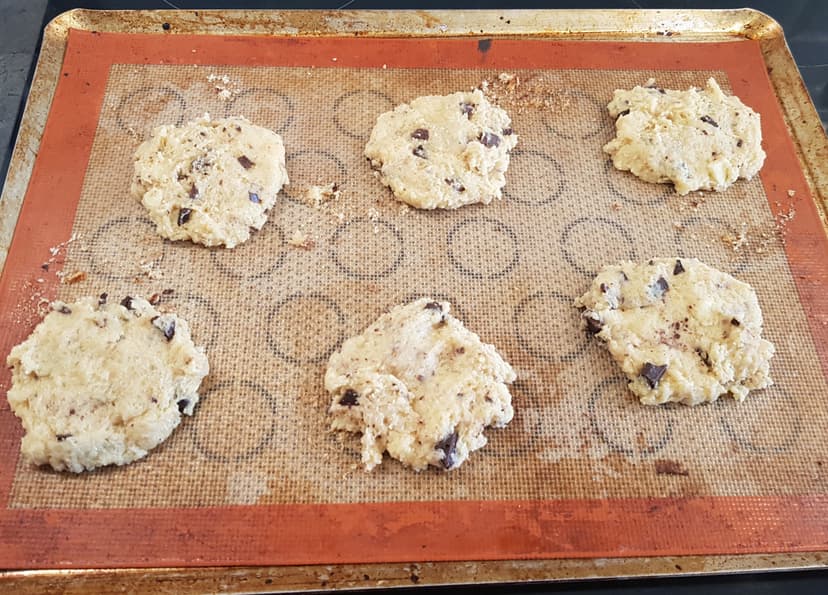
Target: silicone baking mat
{"type": "Point", "coordinates": [583, 470]}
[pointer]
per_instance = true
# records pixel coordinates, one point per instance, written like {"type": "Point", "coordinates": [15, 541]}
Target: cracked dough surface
{"type": "Point", "coordinates": [680, 330]}
{"type": "Point", "coordinates": [209, 181]}
{"type": "Point", "coordinates": [420, 386]}
{"type": "Point", "coordinates": [700, 139]}
{"type": "Point", "coordinates": [97, 385]}
{"type": "Point", "coordinates": [443, 151]}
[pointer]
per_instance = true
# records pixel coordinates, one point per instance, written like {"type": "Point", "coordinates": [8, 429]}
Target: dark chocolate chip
{"type": "Point", "coordinates": [154, 299]}
{"type": "Point", "coordinates": [660, 287]}
{"type": "Point", "coordinates": [652, 373]}
{"type": "Point", "coordinates": [65, 310]}
{"type": "Point", "coordinates": [662, 91]}
{"type": "Point", "coordinates": [419, 151]}
{"type": "Point", "coordinates": [245, 162]}
{"type": "Point", "coordinates": [709, 120]}
{"type": "Point", "coordinates": [182, 405]}
{"type": "Point", "coordinates": [603, 287]}
{"type": "Point", "coordinates": [624, 276]}
{"type": "Point", "coordinates": [593, 325]}
{"type": "Point", "coordinates": [420, 134]}
{"type": "Point", "coordinates": [45, 266]}
{"type": "Point", "coordinates": [455, 184]}
{"type": "Point", "coordinates": [167, 291]}
{"type": "Point", "coordinates": [71, 412]}
{"type": "Point", "coordinates": [349, 398]}
{"type": "Point", "coordinates": [622, 114]}
{"type": "Point", "coordinates": [253, 197]}
{"type": "Point", "coordinates": [193, 193]}
{"type": "Point", "coordinates": [62, 437]}
{"type": "Point", "coordinates": [507, 132]}
{"type": "Point", "coordinates": [434, 306]}
{"type": "Point", "coordinates": [735, 322]}
{"type": "Point", "coordinates": [448, 445]}
{"type": "Point", "coordinates": [679, 268]}
{"type": "Point", "coordinates": [468, 109]}
{"type": "Point", "coordinates": [167, 329]}
{"type": "Point", "coordinates": [703, 356]}
{"type": "Point", "coordinates": [739, 142]}
{"type": "Point", "coordinates": [165, 26]}
{"type": "Point", "coordinates": [489, 140]}
{"type": "Point", "coordinates": [127, 302]}
{"type": "Point", "coordinates": [102, 298]}
{"type": "Point", "coordinates": [184, 216]}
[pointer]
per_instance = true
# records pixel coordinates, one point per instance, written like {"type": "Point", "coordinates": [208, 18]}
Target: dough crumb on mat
{"type": "Point", "coordinates": [420, 386]}
{"type": "Point", "coordinates": [443, 152]}
{"type": "Point", "coordinates": [102, 383]}
{"type": "Point", "coordinates": [700, 139]}
{"type": "Point", "coordinates": [209, 181]}
{"type": "Point", "coordinates": [680, 330]}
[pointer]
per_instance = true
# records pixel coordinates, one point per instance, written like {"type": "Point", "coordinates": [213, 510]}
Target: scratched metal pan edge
{"type": "Point", "coordinates": [694, 25]}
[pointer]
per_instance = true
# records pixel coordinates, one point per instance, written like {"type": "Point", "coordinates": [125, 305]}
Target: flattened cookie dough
{"type": "Point", "coordinates": [443, 152]}
{"type": "Point", "coordinates": [209, 181]}
{"type": "Point", "coordinates": [420, 386]}
{"type": "Point", "coordinates": [680, 330]}
{"type": "Point", "coordinates": [700, 139]}
{"type": "Point", "coordinates": [101, 383]}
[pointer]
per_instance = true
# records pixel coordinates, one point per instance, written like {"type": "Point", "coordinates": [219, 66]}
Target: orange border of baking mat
{"type": "Point", "coordinates": [390, 532]}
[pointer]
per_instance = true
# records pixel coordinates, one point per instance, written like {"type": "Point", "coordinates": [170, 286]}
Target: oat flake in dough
{"type": "Point", "coordinates": [443, 151]}
{"type": "Point", "coordinates": [699, 139]}
{"type": "Point", "coordinates": [680, 330]}
{"type": "Point", "coordinates": [209, 181]}
{"type": "Point", "coordinates": [420, 386]}
{"type": "Point", "coordinates": [100, 384]}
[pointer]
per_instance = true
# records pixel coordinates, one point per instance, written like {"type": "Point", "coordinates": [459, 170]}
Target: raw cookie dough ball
{"type": "Point", "coordinates": [699, 139]}
{"type": "Point", "coordinates": [209, 181]}
{"type": "Point", "coordinates": [99, 384]}
{"type": "Point", "coordinates": [420, 386]}
{"type": "Point", "coordinates": [680, 330]}
{"type": "Point", "coordinates": [443, 151]}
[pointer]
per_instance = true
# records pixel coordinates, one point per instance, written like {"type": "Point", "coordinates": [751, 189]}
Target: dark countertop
{"type": "Point", "coordinates": [806, 28]}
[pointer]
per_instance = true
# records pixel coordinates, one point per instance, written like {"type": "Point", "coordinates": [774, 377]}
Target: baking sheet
{"type": "Point", "coordinates": [530, 282]}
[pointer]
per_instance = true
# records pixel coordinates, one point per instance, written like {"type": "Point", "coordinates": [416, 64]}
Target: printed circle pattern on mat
{"type": "Point", "coordinates": [579, 107]}
{"type": "Point", "coordinates": [263, 107]}
{"type": "Point", "coordinates": [546, 320]}
{"type": "Point", "coordinates": [305, 328]}
{"type": "Point", "coordinates": [245, 262]}
{"type": "Point", "coordinates": [355, 112]}
{"type": "Point", "coordinates": [625, 425]}
{"type": "Point", "coordinates": [525, 186]}
{"type": "Point", "coordinates": [145, 247]}
{"type": "Point", "coordinates": [367, 249]}
{"type": "Point", "coordinates": [140, 111]}
{"type": "Point", "coordinates": [746, 423]}
{"type": "Point", "coordinates": [216, 432]}
{"type": "Point", "coordinates": [483, 248]}
{"type": "Point", "coordinates": [312, 167]}
{"type": "Point", "coordinates": [634, 191]}
{"type": "Point", "coordinates": [198, 311]}
{"type": "Point", "coordinates": [579, 237]}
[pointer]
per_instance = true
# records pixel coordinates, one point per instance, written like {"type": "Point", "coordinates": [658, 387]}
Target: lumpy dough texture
{"type": "Point", "coordinates": [700, 139]}
{"type": "Point", "coordinates": [443, 151]}
{"type": "Point", "coordinates": [680, 330]}
{"type": "Point", "coordinates": [103, 384]}
{"type": "Point", "coordinates": [209, 181]}
{"type": "Point", "coordinates": [420, 386]}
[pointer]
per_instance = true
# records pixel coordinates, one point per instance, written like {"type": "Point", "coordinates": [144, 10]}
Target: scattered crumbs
{"type": "Point", "coordinates": [791, 193]}
{"type": "Point", "coordinates": [333, 59]}
{"type": "Point", "coordinates": [373, 217]}
{"type": "Point", "coordinates": [737, 241]}
{"type": "Point", "coordinates": [41, 280]}
{"type": "Point", "coordinates": [300, 239]}
{"type": "Point", "coordinates": [616, 206]}
{"type": "Point", "coordinates": [373, 287]}
{"type": "Point", "coordinates": [147, 268]}
{"type": "Point", "coordinates": [224, 85]}
{"type": "Point", "coordinates": [384, 66]}
{"type": "Point", "coordinates": [668, 467]}
{"type": "Point", "coordinates": [317, 196]}
{"type": "Point", "coordinates": [72, 278]}
{"type": "Point", "coordinates": [516, 94]}
{"type": "Point", "coordinates": [678, 225]}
